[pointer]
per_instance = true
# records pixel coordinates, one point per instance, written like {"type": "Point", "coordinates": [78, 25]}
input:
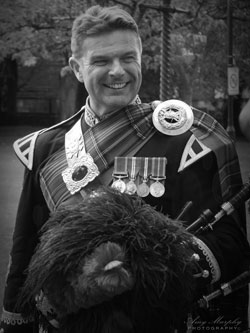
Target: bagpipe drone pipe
{"type": "Point", "coordinates": [112, 263]}
{"type": "Point", "coordinates": [206, 222]}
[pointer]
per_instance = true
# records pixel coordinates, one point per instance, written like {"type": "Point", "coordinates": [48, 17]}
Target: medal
{"type": "Point", "coordinates": [131, 186]}
{"type": "Point", "coordinates": [143, 189]}
{"type": "Point", "coordinates": [157, 189]}
{"type": "Point", "coordinates": [119, 185]}
{"type": "Point", "coordinates": [120, 171]}
{"type": "Point", "coordinates": [173, 117]}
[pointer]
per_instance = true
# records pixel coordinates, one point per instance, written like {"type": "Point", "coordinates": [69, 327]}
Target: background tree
{"type": "Point", "coordinates": [29, 32]}
{"type": "Point", "coordinates": [40, 29]}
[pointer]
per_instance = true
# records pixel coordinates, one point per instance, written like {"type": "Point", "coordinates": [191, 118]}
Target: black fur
{"type": "Point", "coordinates": [152, 288]}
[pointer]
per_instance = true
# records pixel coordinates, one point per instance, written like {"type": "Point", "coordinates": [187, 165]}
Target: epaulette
{"type": "Point", "coordinates": [24, 147]}
{"type": "Point", "coordinates": [193, 151]}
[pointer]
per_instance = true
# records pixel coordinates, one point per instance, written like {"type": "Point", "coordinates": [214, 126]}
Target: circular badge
{"type": "Point", "coordinates": [173, 117]}
{"type": "Point", "coordinates": [131, 187]}
{"type": "Point", "coordinates": [143, 190]}
{"type": "Point", "coordinates": [119, 185]}
{"type": "Point", "coordinates": [157, 189]}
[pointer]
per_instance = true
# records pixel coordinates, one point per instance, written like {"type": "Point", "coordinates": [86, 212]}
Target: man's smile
{"type": "Point", "coordinates": [116, 85]}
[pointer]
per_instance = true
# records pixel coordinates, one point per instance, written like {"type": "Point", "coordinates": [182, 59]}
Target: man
{"type": "Point", "coordinates": [168, 153]}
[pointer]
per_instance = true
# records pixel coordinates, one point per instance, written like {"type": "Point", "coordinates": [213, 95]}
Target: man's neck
{"type": "Point", "coordinates": [98, 115]}
{"type": "Point", "coordinates": [102, 113]}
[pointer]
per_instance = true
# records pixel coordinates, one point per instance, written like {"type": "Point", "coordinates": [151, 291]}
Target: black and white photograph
{"type": "Point", "coordinates": [124, 166]}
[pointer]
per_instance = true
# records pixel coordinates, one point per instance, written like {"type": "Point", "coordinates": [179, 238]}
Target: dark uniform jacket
{"type": "Point", "coordinates": [205, 179]}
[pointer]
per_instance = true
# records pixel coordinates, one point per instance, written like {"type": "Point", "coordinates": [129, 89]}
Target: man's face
{"type": "Point", "coordinates": [110, 69]}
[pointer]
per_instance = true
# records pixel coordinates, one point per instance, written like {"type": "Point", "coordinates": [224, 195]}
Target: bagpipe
{"type": "Point", "coordinates": [112, 263]}
{"type": "Point", "coordinates": [207, 221]}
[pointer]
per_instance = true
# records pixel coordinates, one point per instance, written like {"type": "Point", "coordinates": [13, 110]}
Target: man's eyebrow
{"type": "Point", "coordinates": [130, 52]}
{"type": "Point", "coordinates": [98, 57]}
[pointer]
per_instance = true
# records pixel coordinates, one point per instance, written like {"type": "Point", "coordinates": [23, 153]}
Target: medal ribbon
{"type": "Point", "coordinates": [133, 172]}
{"type": "Point", "coordinates": [143, 189]}
{"type": "Point", "coordinates": [145, 167]}
{"type": "Point", "coordinates": [120, 167]}
{"type": "Point", "coordinates": [133, 166]}
{"type": "Point", "coordinates": [145, 171]}
{"type": "Point", "coordinates": [127, 166]}
{"type": "Point", "coordinates": [158, 168]}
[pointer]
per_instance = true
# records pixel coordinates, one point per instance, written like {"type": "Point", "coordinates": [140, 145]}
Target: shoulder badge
{"type": "Point", "coordinates": [193, 151]}
{"type": "Point", "coordinates": [24, 148]}
{"type": "Point", "coordinates": [173, 117]}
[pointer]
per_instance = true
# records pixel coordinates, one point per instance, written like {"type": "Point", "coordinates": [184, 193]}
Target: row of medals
{"type": "Point", "coordinates": [150, 170]}
{"type": "Point", "coordinates": [156, 189]}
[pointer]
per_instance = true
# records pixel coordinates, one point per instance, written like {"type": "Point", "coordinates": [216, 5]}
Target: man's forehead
{"type": "Point", "coordinates": [115, 41]}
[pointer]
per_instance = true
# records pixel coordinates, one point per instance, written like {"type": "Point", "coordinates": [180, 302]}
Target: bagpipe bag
{"type": "Point", "coordinates": [112, 263]}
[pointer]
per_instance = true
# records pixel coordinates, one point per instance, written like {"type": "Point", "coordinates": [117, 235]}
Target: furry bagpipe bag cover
{"type": "Point", "coordinates": [111, 263]}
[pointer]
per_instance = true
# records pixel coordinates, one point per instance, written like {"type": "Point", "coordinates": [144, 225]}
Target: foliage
{"type": "Point", "coordinates": [40, 29]}
{"type": "Point", "coordinates": [204, 64]}
{"type": "Point", "coordinates": [35, 29]}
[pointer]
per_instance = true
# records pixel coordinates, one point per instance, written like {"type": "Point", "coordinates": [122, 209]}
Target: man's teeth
{"type": "Point", "coordinates": [117, 85]}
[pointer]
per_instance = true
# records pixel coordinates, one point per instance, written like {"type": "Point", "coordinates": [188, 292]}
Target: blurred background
{"type": "Point", "coordinates": [188, 46]}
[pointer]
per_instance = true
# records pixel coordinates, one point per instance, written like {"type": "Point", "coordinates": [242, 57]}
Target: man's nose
{"type": "Point", "coordinates": [116, 68]}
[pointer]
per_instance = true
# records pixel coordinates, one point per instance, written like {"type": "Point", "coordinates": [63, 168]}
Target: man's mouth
{"type": "Point", "coordinates": [116, 85]}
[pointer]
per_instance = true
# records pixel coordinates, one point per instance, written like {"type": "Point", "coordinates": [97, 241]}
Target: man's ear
{"type": "Point", "coordinates": [75, 66]}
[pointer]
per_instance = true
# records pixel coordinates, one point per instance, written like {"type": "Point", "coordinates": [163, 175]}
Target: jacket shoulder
{"type": "Point", "coordinates": [25, 147]}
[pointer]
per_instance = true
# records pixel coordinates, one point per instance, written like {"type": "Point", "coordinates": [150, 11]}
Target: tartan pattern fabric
{"type": "Point", "coordinates": [214, 136]}
{"type": "Point", "coordinates": [114, 135]}
{"type": "Point", "coordinates": [132, 121]}
{"type": "Point", "coordinates": [91, 118]}
{"type": "Point", "coordinates": [53, 188]}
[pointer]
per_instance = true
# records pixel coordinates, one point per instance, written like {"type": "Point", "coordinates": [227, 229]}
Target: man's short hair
{"type": "Point", "coordinates": [97, 20]}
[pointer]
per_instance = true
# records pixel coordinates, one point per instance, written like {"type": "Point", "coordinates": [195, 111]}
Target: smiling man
{"type": "Point", "coordinates": [110, 67]}
{"type": "Point", "coordinates": [168, 153]}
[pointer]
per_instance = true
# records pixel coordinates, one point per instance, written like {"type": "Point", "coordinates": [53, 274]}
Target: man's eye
{"type": "Point", "coordinates": [128, 58]}
{"type": "Point", "coordinates": [100, 62]}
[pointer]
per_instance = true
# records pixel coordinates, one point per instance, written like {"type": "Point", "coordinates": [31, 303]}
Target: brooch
{"type": "Point", "coordinates": [81, 168]}
{"type": "Point", "coordinates": [82, 171]}
{"type": "Point", "coordinates": [173, 117]}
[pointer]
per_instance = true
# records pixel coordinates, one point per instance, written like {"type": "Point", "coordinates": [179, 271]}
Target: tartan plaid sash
{"type": "Point", "coordinates": [131, 124]}
{"type": "Point", "coordinates": [116, 135]}
{"type": "Point", "coordinates": [214, 136]}
{"type": "Point", "coordinates": [119, 133]}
